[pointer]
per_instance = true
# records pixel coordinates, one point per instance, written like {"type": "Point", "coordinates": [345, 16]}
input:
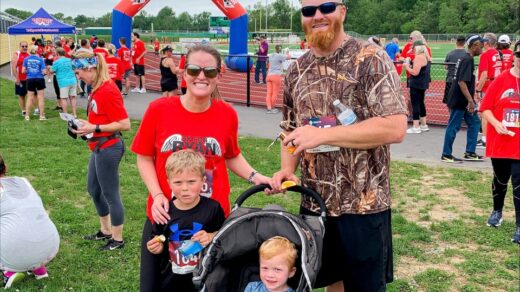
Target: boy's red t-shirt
{"type": "Point", "coordinates": [102, 52]}
{"type": "Point", "coordinates": [503, 100]}
{"type": "Point", "coordinates": [126, 57]}
{"type": "Point", "coordinates": [105, 106]}
{"type": "Point", "coordinates": [168, 127]}
{"type": "Point", "coordinates": [156, 45]}
{"type": "Point", "coordinates": [137, 50]}
{"type": "Point", "coordinates": [115, 68]}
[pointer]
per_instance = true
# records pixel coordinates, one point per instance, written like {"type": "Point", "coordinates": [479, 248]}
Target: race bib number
{"type": "Point", "coordinates": [322, 122]}
{"type": "Point", "coordinates": [207, 188]}
{"type": "Point", "coordinates": [511, 118]}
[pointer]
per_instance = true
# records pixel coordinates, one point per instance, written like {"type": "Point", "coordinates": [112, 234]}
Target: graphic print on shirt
{"type": "Point", "coordinates": [208, 146]}
{"type": "Point", "coordinates": [181, 264]}
{"type": "Point", "coordinates": [93, 106]}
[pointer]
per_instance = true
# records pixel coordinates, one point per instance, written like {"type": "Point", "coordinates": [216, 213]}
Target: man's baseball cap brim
{"type": "Point", "coordinates": [471, 39]}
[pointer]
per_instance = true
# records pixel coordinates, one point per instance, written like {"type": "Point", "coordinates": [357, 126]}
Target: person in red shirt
{"type": "Point", "coordinates": [100, 49]}
{"type": "Point", "coordinates": [182, 64]}
{"type": "Point", "coordinates": [156, 46]}
{"type": "Point", "coordinates": [198, 120]}
{"type": "Point", "coordinates": [138, 52]}
{"type": "Point", "coordinates": [501, 108]}
{"type": "Point", "coordinates": [302, 44]}
{"type": "Point", "coordinates": [107, 117]}
{"type": "Point", "coordinates": [505, 53]}
{"type": "Point", "coordinates": [20, 87]}
{"type": "Point", "coordinates": [115, 67]}
{"type": "Point", "coordinates": [408, 53]}
{"type": "Point", "coordinates": [126, 60]}
{"type": "Point", "coordinates": [489, 66]}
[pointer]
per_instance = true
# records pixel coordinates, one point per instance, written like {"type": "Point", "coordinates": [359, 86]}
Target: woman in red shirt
{"type": "Point", "coordinates": [198, 120]}
{"type": "Point", "coordinates": [107, 116]}
{"type": "Point", "coordinates": [501, 108]}
{"type": "Point", "coordinates": [115, 67]}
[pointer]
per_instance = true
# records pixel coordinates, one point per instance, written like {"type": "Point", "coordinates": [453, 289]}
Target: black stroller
{"type": "Point", "coordinates": [231, 261]}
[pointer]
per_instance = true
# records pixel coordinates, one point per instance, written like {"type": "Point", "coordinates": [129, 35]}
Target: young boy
{"type": "Point", "coordinates": [194, 220]}
{"type": "Point", "coordinates": [277, 258]}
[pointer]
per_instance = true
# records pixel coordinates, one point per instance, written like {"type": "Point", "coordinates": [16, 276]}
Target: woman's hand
{"type": "Point", "coordinates": [278, 178]}
{"type": "Point", "coordinates": [84, 128]}
{"type": "Point", "coordinates": [500, 128]}
{"type": "Point", "coordinates": [160, 208]}
{"type": "Point", "coordinates": [155, 246]}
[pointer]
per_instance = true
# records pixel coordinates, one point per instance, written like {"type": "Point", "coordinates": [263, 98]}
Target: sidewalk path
{"type": "Point", "coordinates": [425, 148]}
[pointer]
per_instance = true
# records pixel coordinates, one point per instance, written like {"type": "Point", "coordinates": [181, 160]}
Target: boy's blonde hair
{"type": "Point", "coordinates": [279, 245]}
{"type": "Point", "coordinates": [183, 160]}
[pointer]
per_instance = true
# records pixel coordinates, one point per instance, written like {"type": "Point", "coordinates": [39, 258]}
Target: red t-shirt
{"type": "Point", "coordinates": [398, 66]}
{"type": "Point", "coordinates": [67, 51]}
{"type": "Point", "coordinates": [49, 52]}
{"type": "Point", "coordinates": [182, 65]}
{"type": "Point", "coordinates": [126, 57]}
{"type": "Point", "coordinates": [115, 68]}
{"type": "Point", "coordinates": [168, 127]}
{"type": "Point", "coordinates": [19, 65]}
{"type": "Point", "coordinates": [408, 52]}
{"type": "Point", "coordinates": [503, 99]}
{"type": "Point", "coordinates": [102, 52]}
{"type": "Point", "coordinates": [490, 62]}
{"type": "Point", "coordinates": [40, 51]}
{"type": "Point", "coordinates": [156, 45]}
{"type": "Point", "coordinates": [137, 50]}
{"type": "Point", "coordinates": [507, 59]}
{"type": "Point", "coordinates": [105, 106]}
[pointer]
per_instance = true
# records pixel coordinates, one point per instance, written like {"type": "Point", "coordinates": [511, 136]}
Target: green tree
{"type": "Point", "coordinates": [59, 16]}
{"type": "Point", "coordinates": [22, 14]}
{"type": "Point", "coordinates": [280, 18]}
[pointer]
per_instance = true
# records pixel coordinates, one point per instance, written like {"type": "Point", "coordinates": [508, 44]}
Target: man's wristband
{"type": "Point", "coordinates": [251, 176]}
{"type": "Point", "coordinates": [98, 129]}
{"type": "Point", "coordinates": [155, 196]}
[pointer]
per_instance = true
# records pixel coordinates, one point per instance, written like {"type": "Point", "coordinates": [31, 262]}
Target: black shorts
{"type": "Point", "coordinates": [169, 84]}
{"type": "Point", "coordinates": [119, 84]}
{"type": "Point", "coordinates": [35, 84]}
{"type": "Point", "coordinates": [357, 249]}
{"type": "Point", "coordinates": [21, 89]}
{"type": "Point", "coordinates": [139, 70]}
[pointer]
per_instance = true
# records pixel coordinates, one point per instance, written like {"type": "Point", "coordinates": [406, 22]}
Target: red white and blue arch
{"type": "Point", "coordinates": [126, 9]}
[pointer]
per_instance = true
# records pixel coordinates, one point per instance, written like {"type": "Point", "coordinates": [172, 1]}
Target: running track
{"type": "Point", "coordinates": [233, 89]}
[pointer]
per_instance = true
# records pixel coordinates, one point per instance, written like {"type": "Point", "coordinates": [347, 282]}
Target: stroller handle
{"type": "Point", "coordinates": [297, 188]}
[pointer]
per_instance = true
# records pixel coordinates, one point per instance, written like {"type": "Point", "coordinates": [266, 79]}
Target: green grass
{"type": "Point", "coordinates": [431, 253]}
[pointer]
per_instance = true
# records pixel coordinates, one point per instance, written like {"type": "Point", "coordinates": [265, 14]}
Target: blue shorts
{"type": "Point", "coordinates": [357, 249]}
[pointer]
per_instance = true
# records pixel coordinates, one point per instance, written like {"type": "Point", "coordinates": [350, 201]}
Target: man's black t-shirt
{"type": "Point", "coordinates": [465, 69]}
{"type": "Point", "coordinates": [453, 57]}
{"type": "Point", "coordinates": [177, 269]}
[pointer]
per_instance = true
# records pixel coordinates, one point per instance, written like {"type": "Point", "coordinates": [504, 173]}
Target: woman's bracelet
{"type": "Point", "coordinates": [155, 196]}
{"type": "Point", "coordinates": [251, 176]}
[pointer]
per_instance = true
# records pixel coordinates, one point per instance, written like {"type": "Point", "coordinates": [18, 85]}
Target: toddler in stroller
{"type": "Point", "coordinates": [230, 262]}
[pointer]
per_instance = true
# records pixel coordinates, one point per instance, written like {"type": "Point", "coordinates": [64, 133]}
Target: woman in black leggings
{"type": "Point", "coordinates": [419, 82]}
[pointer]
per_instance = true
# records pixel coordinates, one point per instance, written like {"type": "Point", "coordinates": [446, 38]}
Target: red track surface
{"type": "Point", "coordinates": [233, 88]}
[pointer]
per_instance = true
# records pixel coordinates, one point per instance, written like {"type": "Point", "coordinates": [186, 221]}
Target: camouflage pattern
{"type": "Point", "coordinates": [362, 76]}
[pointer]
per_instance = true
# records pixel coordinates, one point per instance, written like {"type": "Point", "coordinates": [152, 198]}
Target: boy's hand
{"type": "Point", "coordinates": [155, 245]}
{"type": "Point", "coordinates": [203, 237]}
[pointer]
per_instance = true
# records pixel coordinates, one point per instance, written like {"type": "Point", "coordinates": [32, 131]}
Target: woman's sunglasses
{"type": "Point", "coordinates": [209, 72]}
{"type": "Point", "coordinates": [325, 8]}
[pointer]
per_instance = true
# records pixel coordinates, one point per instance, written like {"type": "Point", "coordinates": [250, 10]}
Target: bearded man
{"type": "Point", "coordinates": [347, 164]}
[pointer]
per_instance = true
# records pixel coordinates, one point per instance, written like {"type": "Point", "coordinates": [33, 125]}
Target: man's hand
{"type": "Point", "coordinates": [17, 81]}
{"type": "Point", "coordinates": [279, 177]}
{"type": "Point", "coordinates": [303, 138]}
{"type": "Point", "coordinates": [471, 107]}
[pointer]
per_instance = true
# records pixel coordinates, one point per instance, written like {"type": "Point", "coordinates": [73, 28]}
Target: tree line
{"type": "Point", "coordinates": [363, 16]}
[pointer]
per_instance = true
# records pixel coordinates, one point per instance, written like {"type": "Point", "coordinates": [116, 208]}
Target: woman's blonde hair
{"type": "Point", "coordinates": [422, 50]}
{"type": "Point", "coordinates": [111, 49]}
{"type": "Point", "coordinates": [101, 68]}
{"type": "Point", "coordinates": [213, 52]}
{"type": "Point", "coordinates": [279, 245]}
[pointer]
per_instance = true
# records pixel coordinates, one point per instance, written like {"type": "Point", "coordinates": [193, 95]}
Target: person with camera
{"type": "Point", "coordinates": [107, 117]}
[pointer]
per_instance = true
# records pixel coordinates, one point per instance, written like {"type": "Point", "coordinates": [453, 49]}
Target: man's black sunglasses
{"type": "Point", "coordinates": [325, 8]}
{"type": "Point", "coordinates": [209, 72]}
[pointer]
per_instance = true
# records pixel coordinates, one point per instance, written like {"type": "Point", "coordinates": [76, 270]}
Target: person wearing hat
{"type": "Point", "coordinates": [505, 53]}
{"type": "Point", "coordinates": [501, 109]}
{"type": "Point", "coordinates": [449, 64]}
{"type": "Point", "coordinates": [169, 72]}
{"type": "Point", "coordinates": [489, 67]}
{"type": "Point", "coordinates": [462, 104]}
{"type": "Point", "coordinates": [419, 81]}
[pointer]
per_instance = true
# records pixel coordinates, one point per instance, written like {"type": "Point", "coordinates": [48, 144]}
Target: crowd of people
{"type": "Point", "coordinates": [184, 165]}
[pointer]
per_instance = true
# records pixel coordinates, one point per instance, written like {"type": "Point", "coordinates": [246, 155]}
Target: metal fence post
{"type": "Point", "coordinates": [248, 84]}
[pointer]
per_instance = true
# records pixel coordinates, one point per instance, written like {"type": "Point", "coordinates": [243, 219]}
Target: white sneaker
{"type": "Point", "coordinates": [135, 90]}
{"type": "Point", "coordinates": [413, 130]}
{"type": "Point", "coordinates": [425, 128]}
{"type": "Point", "coordinates": [143, 90]}
{"type": "Point", "coordinates": [36, 112]}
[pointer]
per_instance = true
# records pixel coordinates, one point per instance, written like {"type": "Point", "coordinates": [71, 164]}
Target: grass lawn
{"type": "Point", "coordinates": [441, 242]}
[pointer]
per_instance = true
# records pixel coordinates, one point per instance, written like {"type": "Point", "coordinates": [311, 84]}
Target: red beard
{"type": "Point", "coordinates": [322, 40]}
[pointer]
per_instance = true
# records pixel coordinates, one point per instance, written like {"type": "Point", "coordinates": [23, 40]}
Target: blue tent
{"type": "Point", "coordinates": [41, 23]}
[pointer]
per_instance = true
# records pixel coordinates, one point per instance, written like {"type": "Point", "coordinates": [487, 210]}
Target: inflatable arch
{"type": "Point", "coordinates": [126, 9]}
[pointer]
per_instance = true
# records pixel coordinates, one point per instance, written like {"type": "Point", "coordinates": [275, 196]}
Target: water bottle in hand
{"type": "Point", "coordinates": [345, 115]}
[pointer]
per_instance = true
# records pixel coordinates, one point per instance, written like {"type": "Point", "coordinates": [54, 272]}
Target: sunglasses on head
{"type": "Point", "coordinates": [209, 72]}
{"type": "Point", "coordinates": [325, 8]}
